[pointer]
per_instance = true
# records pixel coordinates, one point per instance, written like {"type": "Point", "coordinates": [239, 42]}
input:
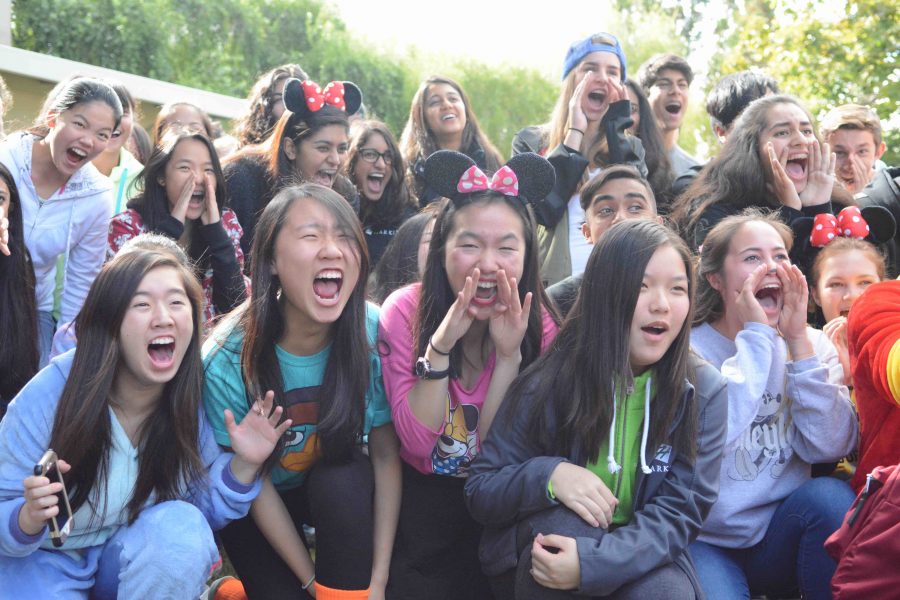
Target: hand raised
{"type": "Point", "coordinates": [781, 184]}
{"type": "Point", "coordinates": [4, 232]}
{"type": "Point", "coordinates": [509, 322]}
{"type": "Point", "coordinates": [255, 438]}
{"type": "Point", "coordinates": [747, 305]}
{"type": "Point", "coordinates": [583, 493]}
{"type": "Point", "coordinates": [179, 211]}
{"type": "Point", "coordinates": [210, 213]}
{"type": "Point", "coordinates": [819, 175]}
{"type": "Point", "coordinates": [795, 298]}
{"type": "Point", "coordinates": [836, 330]}
{"type": "Point", "coordinates": [460, 316]}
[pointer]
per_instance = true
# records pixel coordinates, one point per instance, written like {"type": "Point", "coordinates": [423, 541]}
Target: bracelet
{"type": "Point", "coordinates": [431, 344]}
{"type": "Point", "coordinates": [575, 129]}
{"type": "Point", "coordinates": [306, 585]}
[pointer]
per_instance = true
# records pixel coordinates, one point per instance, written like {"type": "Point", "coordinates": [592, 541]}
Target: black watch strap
{"type": "Point", "coordinates": [424, 370]}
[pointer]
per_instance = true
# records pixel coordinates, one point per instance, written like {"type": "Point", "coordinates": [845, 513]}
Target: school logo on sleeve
{"type": "Point", "coordinates": [457, 445]}
{"type": "Point", "coordinates": [301, 448]}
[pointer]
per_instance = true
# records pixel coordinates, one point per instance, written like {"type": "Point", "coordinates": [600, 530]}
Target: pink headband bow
{"type": "Point", "coordinates": [316, 98]}
{"type": "Point", "coordinates": [503, 181]}
{"type": "Point", "coordinates": [849, 223]}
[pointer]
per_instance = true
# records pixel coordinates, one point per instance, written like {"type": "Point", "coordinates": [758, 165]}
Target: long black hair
{"type": "Point", "coordinates": [589, 358]}
{"type": "Point", "coordinates": [659, 169]}
{"type": "Point", "coordinates": [341, 396]}
{"type": "Point", "coordinates": [437, 296]}
{"type": "Point", "coordinates": [152, 202]}
{"type": "Point", "coordinates": [399, 265]}
{"type": "Point", "coordinates": [168, 449]}
{"type": "Point", "coordinates": [18, 316]}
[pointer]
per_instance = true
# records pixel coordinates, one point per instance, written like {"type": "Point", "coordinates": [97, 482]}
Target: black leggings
{"type": "Point", "coordinates": [436, 550]}
{"type": "Point", "coordinates": [338, 501]}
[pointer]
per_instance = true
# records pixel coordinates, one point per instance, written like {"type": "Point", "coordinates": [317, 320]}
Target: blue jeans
{"type": "Point", "coordinates": [791, 555]}
{"type": "Point", "coordinates": [46, 329]}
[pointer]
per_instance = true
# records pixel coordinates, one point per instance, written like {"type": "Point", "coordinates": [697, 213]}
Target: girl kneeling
{"type": "Point", "coordinates": [787, 408]}
{"type": "Point", "coordinates": [308, 335]}
{"type": "Point", "coordinates": [145, 477]}
{"type": "Point", "coordinates": [604, 458]}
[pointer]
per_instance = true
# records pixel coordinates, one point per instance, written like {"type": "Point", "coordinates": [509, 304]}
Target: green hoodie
{"type": "Point", "coordinates": [629, 418]}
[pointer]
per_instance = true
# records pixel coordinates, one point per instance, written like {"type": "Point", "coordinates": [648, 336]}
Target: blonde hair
{"type": "Point", "coordinates": [852, 116]}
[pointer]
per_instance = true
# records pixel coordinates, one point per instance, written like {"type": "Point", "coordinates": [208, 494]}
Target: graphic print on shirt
{"type": "Point", "coordinates": [301, 448]}
{"type": "Point", "coordinates": [457, 445]}
{"type": "Point", "coordinates": [766, 444]}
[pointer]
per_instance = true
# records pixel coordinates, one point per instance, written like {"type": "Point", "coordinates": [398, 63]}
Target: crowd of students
{"type": "Point", "coordinates": [600, 368]}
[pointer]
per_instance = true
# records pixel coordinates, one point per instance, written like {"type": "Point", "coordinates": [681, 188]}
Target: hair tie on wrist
{"type": "Point", "coordinates": [306, 585]}
{"type": "Point", "coordinates": [431, 344]}
{"type": "Point", "coordinates": [575, 129]}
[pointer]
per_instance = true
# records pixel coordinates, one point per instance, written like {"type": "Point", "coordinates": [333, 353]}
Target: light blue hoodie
{"type": "Point", "coordinates": [73, 222]}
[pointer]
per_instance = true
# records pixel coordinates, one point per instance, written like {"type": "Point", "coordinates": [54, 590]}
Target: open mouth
{"type": "Point", "coordinates": [76, 155]}
{"type": "Point", "coordinates": [655, 330]}
{"type": "Point", "coordinates": [485, 292]}
{"type": "Point", "coordinates": [673, 108]}
{"type": "Point", "coordinates": [374, 185]}
{"type": "Point", "coordinates": [448, 117]}
{"type": "Point", "coordinates": [796, 167]}
{"type": "Point", "coordinates": [597, 96]}
{"type": "Point", "coordinates": [769, 297]}
{"type": "Point", "coordinates": [327, 285]}
{"type": "Point", "coordinates": [325, 177]}
{"type": "Point", "coordinates": [161, 351]}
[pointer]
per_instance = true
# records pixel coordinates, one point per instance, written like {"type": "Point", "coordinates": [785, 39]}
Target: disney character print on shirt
{"type": "Point", "coordinates": [766, 444]}
{"type": "Point", "coordinates": [301, 448]}
{"type": "Point", "coordinates": [458, 443]}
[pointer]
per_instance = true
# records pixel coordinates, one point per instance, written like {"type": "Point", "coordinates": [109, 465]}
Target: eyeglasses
{"type": "Point", "coordinates": [371, 156]}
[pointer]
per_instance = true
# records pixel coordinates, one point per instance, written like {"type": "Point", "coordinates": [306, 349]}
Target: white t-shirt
{"type": "Point", "coordinates": [579, 247]}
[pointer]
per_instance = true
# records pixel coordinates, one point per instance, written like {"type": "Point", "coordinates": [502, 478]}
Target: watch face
{"type": "Point", "coordinates": [422, 367]}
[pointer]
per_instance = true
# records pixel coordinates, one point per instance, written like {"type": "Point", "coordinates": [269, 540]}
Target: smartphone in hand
{"type": "Point", "coordinates": [60, 525]}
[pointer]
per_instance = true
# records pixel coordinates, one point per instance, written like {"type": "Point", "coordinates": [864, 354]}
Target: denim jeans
{"type": "Point", "coordinates": [791, 555]}
{"type": "Point", "coordinates": [46, 329]}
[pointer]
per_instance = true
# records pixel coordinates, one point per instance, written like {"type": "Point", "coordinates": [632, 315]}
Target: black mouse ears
{"type": "Point", "coordinates": [304, 98]}
{"type": "Point", "coordinates": [454, 175]}
{"type": "Point", "coordinates": [874, 224]}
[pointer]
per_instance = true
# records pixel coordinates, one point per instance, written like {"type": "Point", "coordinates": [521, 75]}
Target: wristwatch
{"type": "Point", "coordinates": [424, 370]}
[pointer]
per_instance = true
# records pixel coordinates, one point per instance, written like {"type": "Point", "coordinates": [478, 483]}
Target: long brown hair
{"type": "Point", "coordinates": [257, 123]}
{"type": "Point", "coordinates": [589, 358]}
{"type": "Point", "coordinates": [341, 396]}
{"type": "Point", "coordinates": [396, 199]}
{"type": "Point", "coordinates": [418, 141]}
{"type": "Point", "coordinates": [736, 176]}
{"type": "Point", "coordinates": [711, 260]}
{"type": "Point", "coordinates": [168, 449]}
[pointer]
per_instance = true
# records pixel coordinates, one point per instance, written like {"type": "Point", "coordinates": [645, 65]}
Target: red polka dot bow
{"type": "Point", "coordinates": [503, 181]}
{"type": "Point", "coordinates": [849, 223]}
{"type": "Point", "coordinates": [316, 97]}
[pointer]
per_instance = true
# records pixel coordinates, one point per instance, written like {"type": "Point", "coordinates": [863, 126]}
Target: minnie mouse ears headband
{"type": "Point", "coordinates": [526, 176]}
{"type": "Point", "coordinates": [304, 98]}
{"type": "Point", "coordinates": [873, 223]}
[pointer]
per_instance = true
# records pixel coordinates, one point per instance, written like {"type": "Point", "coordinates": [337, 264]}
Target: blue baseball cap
{"type": "Point", "coordinates": [597, 42]}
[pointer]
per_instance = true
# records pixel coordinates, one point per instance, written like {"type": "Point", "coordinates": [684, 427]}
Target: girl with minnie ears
{"type": "Point", "coordinates": [151, 483]}
{"type": "Point", "coordinates": [308, 335]}
{"type": "Point", "coordinates": [183, 197]}
{"type": "Point", "coordinates": [309, 144]}
{"type": "Point", "coordinates": [450, 348]}
{"type": "Point", "coordinates": [787, 409]}
{"type": "Point", "coordinates": [575, 494]}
